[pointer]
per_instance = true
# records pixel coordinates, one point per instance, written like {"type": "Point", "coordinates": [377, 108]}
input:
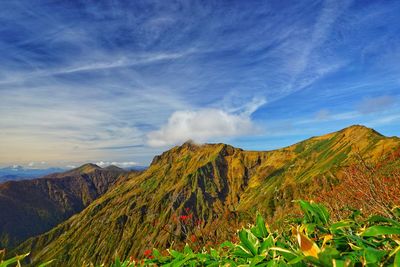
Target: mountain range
{"type": "Point", "coordinates": [18, 172]}
{"type": "Point", "coordinates": [203, 189]}
{"type": "Point", "coordinates": [32, 207]}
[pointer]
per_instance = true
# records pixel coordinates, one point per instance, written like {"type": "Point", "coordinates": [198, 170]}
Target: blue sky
{"type": "Point", "coordinates": [121, 81]}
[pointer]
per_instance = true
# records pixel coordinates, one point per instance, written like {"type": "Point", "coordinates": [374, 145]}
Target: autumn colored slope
{"type": "Point", "coordinates": [202, 191]}
{"type": "Point", "coordinates": [32, 207]}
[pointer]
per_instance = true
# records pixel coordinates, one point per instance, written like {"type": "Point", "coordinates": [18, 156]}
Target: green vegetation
{"type": "Point", "coordinates": [208, 191]}
{"type": "Point", "coordinates": [313, 240]}
{"type": "Point", "coordinates": [17, 260]}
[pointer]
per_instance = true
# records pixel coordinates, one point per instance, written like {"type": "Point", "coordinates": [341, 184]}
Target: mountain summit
{"type": "Point", "coordinates": [215, 186]}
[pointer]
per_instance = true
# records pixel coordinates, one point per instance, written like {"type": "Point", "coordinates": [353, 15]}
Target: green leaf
{"type": "Point", "coordinates": [249, 241]}
{"type": "Point", "coordinates": [175, 254]}
{"type": "Point", "coordinates": [157, 254]}
{"type": "Point", "coordinates": [187, 250]}
{"type": "Point", "coordinates": [296, 260]}
{"type": "Point", "coordinates": [226, 244]}
{"type": "Point", "coordinates": [396, 262]}
{"type": "Point", "coordinates": [179, 262]}
{"type": "Point", "coordinates": [261, 228]}
{"type": "Point", "coordinates": [377, 230]}
{"type": "Point", "coordinates": [117, 262]}
{"type": "Point", "coordinates": [341, 224]}
{"type": "Point", "coordinates": [313, 212]}
{"type": "Point", "coordinates": [229, 262]}
{"type": "Point", "coordinates": [257, 259]}
{"type": "Point", "coordinates": [273, 263]}
{"type": "Point", "coordinates": [214, 253]}
{"type": "Point", "coordinates": [287, 254]}
{"type": "Point", "coordinates": [373, 256]}
{"type": "Point", "coordinates": [339, 263]}
{"type": "Point", "coordinates": [242, 252]}
{"type": "Point", "coordinates": [378, 218]}
{"type": "Point", "coordinates": [328, 255]}
{"type": "Point", "coordinates": [45, 263]}
{"type": "Point", "coordinates": [266, 244]}
{"type": "Point", "coordinates": [213, 264]}
{"type": "Point", "coordinates": [13, 260]}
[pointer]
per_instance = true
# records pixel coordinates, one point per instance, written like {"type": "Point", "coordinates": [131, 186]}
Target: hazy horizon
{"type": "Point", "coordinates": [114, 82]}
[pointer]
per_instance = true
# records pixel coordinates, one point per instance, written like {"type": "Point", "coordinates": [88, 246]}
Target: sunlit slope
{"type": "Point", "coordinates": [210, 180]}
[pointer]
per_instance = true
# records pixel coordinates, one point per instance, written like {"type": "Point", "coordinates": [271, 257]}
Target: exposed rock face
{"type": "Point", "coordinates": [218, 184]}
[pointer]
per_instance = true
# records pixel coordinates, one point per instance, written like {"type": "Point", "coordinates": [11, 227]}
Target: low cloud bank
{"type": "Point", "coordinates": [119, 164]}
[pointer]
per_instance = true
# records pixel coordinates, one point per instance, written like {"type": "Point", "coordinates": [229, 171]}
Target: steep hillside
{"type": "Point", "coordinates": [207, 189]}
{"type": "Point", "coordinates": [31, 207]}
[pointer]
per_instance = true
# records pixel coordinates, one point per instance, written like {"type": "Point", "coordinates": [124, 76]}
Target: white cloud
{"type": "Point", "coordinates": [70, 166]}
{"type": "Point", "coordinates": [119, 164]}
{"type": "Point", "coordinates": [121, 62]}
{"type": "Point", "coordinates": [37, 164]}
{"type": "Point", "coordinates": [204, 125]}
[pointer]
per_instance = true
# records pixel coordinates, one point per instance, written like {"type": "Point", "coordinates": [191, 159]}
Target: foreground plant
{"type": "Point", "coordinates": [16, 261]}
{"type": "Point", "coordinates": [311, 241]}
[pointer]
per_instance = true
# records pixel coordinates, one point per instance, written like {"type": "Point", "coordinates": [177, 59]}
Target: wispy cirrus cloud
{"type": "Point", "coordinates": [93, 80]}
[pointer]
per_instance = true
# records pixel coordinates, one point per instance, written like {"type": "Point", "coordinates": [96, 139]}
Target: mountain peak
{"type": "Point", "coordinates": [216, 184]}
{"type": "Point", "coordinates": [189, 147]}
{"type": "Point", "coordinates": [88, 167]}
{"type": "Point", "coordinates": [358, 129]}
{"type": "Point", "coordinates": [189, 142]}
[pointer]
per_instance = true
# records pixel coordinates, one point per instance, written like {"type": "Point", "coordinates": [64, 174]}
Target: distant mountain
{"type": "Point", "coordinates": [31, 207]}
{"type": "Point", "coordinates": [17, 172]}
{"type": "Point", "coordinates": [207, 188]}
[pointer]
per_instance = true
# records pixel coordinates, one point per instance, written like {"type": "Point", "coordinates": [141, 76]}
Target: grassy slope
{"type": "Point", "coordinates": [211, 180]}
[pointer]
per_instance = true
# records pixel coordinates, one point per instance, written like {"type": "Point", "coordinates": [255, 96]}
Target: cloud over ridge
{"type": "Point", "coordinates": [204, 125]}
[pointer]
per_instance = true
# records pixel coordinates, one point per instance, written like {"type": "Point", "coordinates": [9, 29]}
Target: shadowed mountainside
{"type": "Point", "coordinates": [219, 186]}
{"type": "Point", "coordinates": [31, 207]}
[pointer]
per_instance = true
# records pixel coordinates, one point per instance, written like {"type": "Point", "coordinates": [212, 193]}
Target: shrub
{"type": "Point", "coordinates": [313, 240]}
{"type": "Point", "coordinates": [372, 187]}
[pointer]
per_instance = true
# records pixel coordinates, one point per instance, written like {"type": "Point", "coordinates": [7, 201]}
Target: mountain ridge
{"type": "Point", "coordinates": [209, 182]}
{"type": "Point", "coordinates": [31, 207]}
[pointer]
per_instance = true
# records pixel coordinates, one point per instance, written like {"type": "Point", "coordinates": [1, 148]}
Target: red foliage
{"type": "Point", "coordinates": [148, 253]}
{"type": "Point", "coordinates": [185, 227]}
{"type": "Point", "coordinates": [371, 187]}
{"type": "Point", "coordinates": [186, 218]}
